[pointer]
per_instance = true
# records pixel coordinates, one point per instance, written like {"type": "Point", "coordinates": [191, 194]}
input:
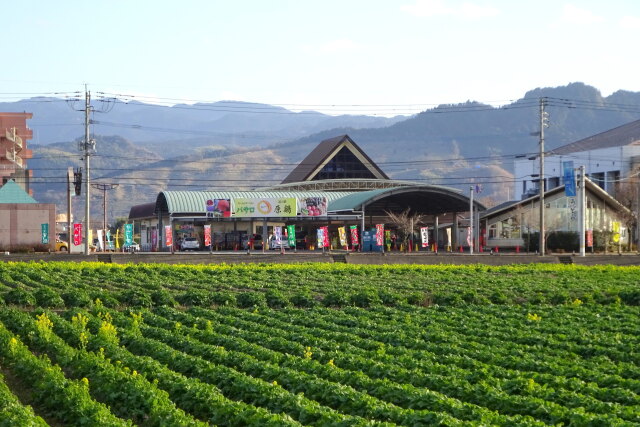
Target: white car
{"type": "Point", "coordinates": [189, 243]}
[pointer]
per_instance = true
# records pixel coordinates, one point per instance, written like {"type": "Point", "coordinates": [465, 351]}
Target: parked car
{"type": "Point", "coordinates": [62, 246]}
{"type": "Point", "coordinates": [134, 247]}
{"type": "Point", "coordinates": [255, 238]}
{"type": "Point", "coordinates": [189, 243]}
{"type": "Point", "coordinates": [284, 243]}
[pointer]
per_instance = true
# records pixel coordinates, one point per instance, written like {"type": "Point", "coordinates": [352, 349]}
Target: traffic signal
{"type": "Point", "coordinates": [77, 181]}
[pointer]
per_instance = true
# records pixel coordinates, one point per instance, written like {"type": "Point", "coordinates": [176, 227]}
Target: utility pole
{"type": "Point", "coordinates": [544, 122]}
{"type": "Point", "coordinates": [104, 188]}
{"type": "Point", "coordinates": [471, 220]}
{"type": "Point", "coordinates": [87, 147]}
{"type": "Point", "coordinates": [583, 210]}
{"type": "Point", "coordinates": [70, 182]}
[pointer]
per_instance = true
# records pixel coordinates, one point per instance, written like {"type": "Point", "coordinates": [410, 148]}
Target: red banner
{"type": "Point", "coordinates": [589, 238]}
{"type": "Point", "coordinates": [354, 234]}
{"type": "Point", "coordinates": [325, 236]}
{"type": "Point", "coordinates": [77, 234]}
{"type": "Point", "coordinates": [168, 236]}
{"type": "Point", "coordinates": [379, 234]}
{"type": "Point", "coordinates": [207, 235]}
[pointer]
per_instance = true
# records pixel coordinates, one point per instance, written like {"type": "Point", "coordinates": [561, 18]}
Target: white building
{"type": "Point", "coordinates": [607, 156]}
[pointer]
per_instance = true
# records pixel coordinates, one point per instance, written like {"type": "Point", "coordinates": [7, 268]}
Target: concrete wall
{"type": "Point", "coordinates": [20, 224]}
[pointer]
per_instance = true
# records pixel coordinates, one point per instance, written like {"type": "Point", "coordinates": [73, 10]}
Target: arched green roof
{"type": "Point", "coordinates": [187, 202]}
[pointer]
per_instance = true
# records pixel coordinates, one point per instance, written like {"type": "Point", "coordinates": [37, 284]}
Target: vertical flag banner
{"type": "Point", "coordinates": [589, 238]}
{"type": "Point", "coordinates": [379, 234]}
{"type": "Point", "coordinates": [354, 235]}
{"type": "Point", "coordinates": [45, 233]}
{"type": "Point", "coordinates": [128, 234]}
{"type": "Point", "coordinates": [291, 235]}
{"type": "Point", "coordinates": [100, 242]}
{"type": "Point", "coordinates": [469, 237]}
{"type": "Point", "coordinates": [154, 237]}
{"type": "Point", "coordinates": [449, 237]}
{"type": "Point", "coordinates": [77, 234]}
{"type": "Point", "coordinates": [90, 237]}
{"type": "Point", "coordinates": [320, 237]}
{"type": "Point", "coordinates": [569, 179]}
{"type": "Point", "coordinates": [277, 233]}
{"type": "Point", "coordinates": [424, 233]}
{"type": "Point", "coordinates": [616, 231]}
{"type": "Point", "coordinates": [325, 236]}
{"type": "Point", "coordinates": [207, 235]}
{"type": "Point", "coordinates": [118, 238]}
{"type": "Point", "coordinates": [168, 236]}
{"type": "Point", "coordinates": [343, 236]}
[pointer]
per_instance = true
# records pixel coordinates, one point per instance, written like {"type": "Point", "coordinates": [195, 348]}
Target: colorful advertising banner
{"type": "Point", "coordinates": [325, 237]}
{"type": "Point", "coordinates": [379, 234]}
{"type": "Point", "coordinates": [424, 233]}
{"type": "Point", "coordinates": [77, 234]}
{"type": "Point", "coordinates": [291, 235]}
{"type": "Point", "coordinates": [267, 207]}
{"type": "Point", "coordinates": [448, 237]}
{"type": "Point", "coordinates": [218, 208]}
{"type": "Point", "coordinates": [569, 179]}
{"type": "Point", "coordinates": [354, 235]}
{"type": "Point", "coordinates": [343, 236]}
{"type": "Point", "coordinates": [469, 237]}
{"type": "Point", "coordinates": [207, 235]}
{"type": "Point", "coordinates": [100, 240]}
{"type": "Point", "coordinates": [154, 238]}
{"type": "Point", "coordinates": [616, 231]}
{"type": "Point", "coordinates": [168, 236]}
{"type": "Point", "coordinates": [277, 233]}
{"type": "Point", "coordinates": [128, 234]}
{"type": "Point", "coordinates": [320, 237]}
{"type": "Point", "coordinates": [589, 238]}
{"type": "Point", "coordinates": [45, 233]}
{"type": "Point", "coordinates": [312, 206]}
{"type": "Point", "coordinates": [91, 237]}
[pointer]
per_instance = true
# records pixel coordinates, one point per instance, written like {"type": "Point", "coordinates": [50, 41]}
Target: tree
{"type": "Point", "coordinates": [405, 222]}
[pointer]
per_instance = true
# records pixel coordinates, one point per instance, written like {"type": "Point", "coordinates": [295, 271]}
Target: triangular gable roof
{"type": "Point", "coordinates": [13, 193]}
{"type": "Point", "coordinates": [323, 153]}
{"type": "Point", "coordinates": [617, 137]}
{"type": "Point", "coordinates": [590, 185]}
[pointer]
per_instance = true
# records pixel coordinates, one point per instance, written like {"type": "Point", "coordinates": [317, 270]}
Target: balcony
{"type": "Point", "coordinates": [12, 136]}
{"type": "Point", "coordinates": [11, 156]}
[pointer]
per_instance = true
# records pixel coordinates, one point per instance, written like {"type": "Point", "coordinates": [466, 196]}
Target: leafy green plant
{"type": "Point", "coordinates": [20, 296]}
{"type": "Point", "coordinates": [47, 297]}
{"type": "Point", "coordinates": [277, 299]}
{"type": "Point", "coordinates": [251, 299]}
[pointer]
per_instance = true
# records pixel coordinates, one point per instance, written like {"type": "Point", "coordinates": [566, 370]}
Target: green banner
{"type": "Point", "coordinates": [128, 234]}
{"type": "Point", "coordinates": [45, 234]}
{"type": "Point", "coordinates": [291, 235]}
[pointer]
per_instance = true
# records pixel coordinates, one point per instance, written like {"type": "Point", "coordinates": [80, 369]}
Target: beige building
{"type": "Point", "coordinates": [23, 220]}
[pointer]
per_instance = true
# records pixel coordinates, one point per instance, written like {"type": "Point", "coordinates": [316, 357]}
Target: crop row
{"type": "Point", "coordinates": [308, 284]}
{"type": "Point", "coordinates": [376, 364]}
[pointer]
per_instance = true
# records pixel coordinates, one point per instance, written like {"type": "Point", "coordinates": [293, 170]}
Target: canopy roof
{"type": "Point", "coordinates": [425, 199]}
{"type": "Point", "coordinates": [13, 193]}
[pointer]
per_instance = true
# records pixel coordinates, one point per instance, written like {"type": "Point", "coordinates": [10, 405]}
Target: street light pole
{"type": "Point", "coordinates": [543, 123]}
{"type": "Point", "coordinates": [104, 188]}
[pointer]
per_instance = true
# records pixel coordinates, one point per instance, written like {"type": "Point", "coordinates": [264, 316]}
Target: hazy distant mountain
{"type": "Point", "coordinates": [448, 145]}
{"type": "Point", "coordinates": [228, 123]}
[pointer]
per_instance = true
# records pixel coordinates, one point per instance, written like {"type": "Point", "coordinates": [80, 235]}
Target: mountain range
{"type": "Point", "coordinates": [149, 148]}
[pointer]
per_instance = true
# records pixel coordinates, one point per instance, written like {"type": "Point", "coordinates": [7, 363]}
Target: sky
{"type": "Point", "coordinates": [356, 56]}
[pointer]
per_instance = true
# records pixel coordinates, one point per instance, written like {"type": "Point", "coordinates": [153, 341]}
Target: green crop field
{"type": "Point", "coordinates": [154, 345]}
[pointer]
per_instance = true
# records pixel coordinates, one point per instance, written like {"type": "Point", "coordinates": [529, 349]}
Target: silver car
{"type": "Point", "coordinates": [189, 243]}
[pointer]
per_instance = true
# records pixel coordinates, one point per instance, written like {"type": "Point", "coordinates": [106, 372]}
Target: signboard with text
{"type": "Point", "coordinates": [354, 235]}
{"type": "Point", "coordinates": [265, 207]}
{"type": "Point", "coordinates": [424, 233]}
{"type": "Point", "coordinates": [379, 234]}
{"type": "Point", "coordinates": [45, 234]}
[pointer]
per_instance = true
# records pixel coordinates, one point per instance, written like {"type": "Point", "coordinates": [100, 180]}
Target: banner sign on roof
{"type": "Point", "coordinates": [265, 207]}
{"type": "Point", "coordinates": [218, 208]}
{"type": "Point", "coordinates": [312, 206]}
